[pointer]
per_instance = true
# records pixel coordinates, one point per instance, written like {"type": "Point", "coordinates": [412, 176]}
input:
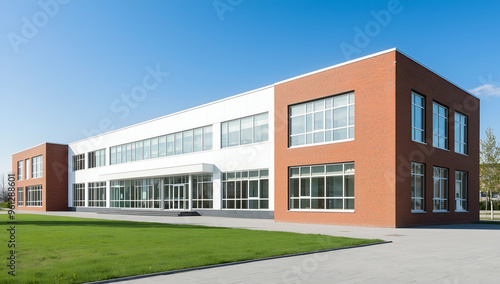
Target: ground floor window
{"type": "Point", "coordinates": [417, 187]}
{"type": "Point", "coordinates": [176, 192]}
{"type": "Point", "coordinates": [245, 189]}
{"type": "Point", "coordinates": [139, 193]}
{"type": "Point", "coordinates": [97, 194]}
{"type": "Point", "coordinates": [34, 196]}
{"type": "Point", "coordinates": [20, 196]}
{"type": "Point", "coordinates": [440, 189]}
{"type": "Point", "coordinates": [79, 194]}
{"type": "Point", "coordinates": [203, 191]}
{"type": "Point", "coordinates": [461, 191]}
{"type": "Point", "coordinates": [322, 187]}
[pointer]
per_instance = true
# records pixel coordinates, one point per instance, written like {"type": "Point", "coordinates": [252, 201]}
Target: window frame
{"type": "Point", "coordinates": [461, 127]}
{"type": "Point", "coordinates": [37, 166]}
{"type": "Point", "coordinates": [79, 195]}
{"type": "Point", "coordinates": [414, 197]}
{"type": "Point", "coordinates": [463, 180]}
{"type": "Point", "coordinates": [437, 192]}
{"type": "Point", "coordinates": [415, 127]}
{"type": "Point", "coordinates": [20, 196]}
{"type": "Point", "coordinates": [439, 117]}
{"type": "Point", "coordinates": [34, 196]}
{"type": "Point", "coordinates": [256, 123]}
{"type": "Point", "coordinates": [20, 170]}
{"type": "Point", "coordinates": [79, 162]}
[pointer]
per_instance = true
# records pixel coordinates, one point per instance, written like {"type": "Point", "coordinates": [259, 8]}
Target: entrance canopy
{"type": "Point", "coordinates": [161, 172]}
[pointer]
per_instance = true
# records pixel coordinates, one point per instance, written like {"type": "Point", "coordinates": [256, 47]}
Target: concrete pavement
{"type": "Point", "coordinates": [467, 253]}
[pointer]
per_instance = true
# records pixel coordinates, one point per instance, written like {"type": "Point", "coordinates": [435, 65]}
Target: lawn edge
{"type": "Point", "coordinates": [136, 277]}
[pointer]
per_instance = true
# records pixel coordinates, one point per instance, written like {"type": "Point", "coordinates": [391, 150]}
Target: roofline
{"type": "Point", "coordinates": [39, 145]}
{"type": "Point", "coordinates": [337, 65]}
{"type": "Point", "coordinates": [176, 113]}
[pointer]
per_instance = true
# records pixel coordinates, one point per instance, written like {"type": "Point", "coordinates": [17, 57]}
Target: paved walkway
{"type": "Point", "coordinates": [467, 253]}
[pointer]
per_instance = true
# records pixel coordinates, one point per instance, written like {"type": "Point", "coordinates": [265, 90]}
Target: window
{"type": "Point", "coordinates": [460, 133]}
{"type": "Point", "coordinates": [78, 194]}
{"type": "Point", "coordinates": [322, 187]}
{"type": "Point", "coordinates": [34, 196]}
{"type": "Point", "coordinates": [28, 167]}
{"type": "Point", "coordinates": [98, 158]}
{"type": "Point", "coordinates": [20, 170]}
{"type": "Point", "coordinates": [139, 193]}
{"type": "Point", "coordinates": [440, 189]}
{"type": "Point", "coordinates": [20, 196]}
{"type": "Point", "coordinates": [246, 130]}
{"type": "Point", "coordinates": [97, 194]}
{"type": "Point", "coordinates": [417, 187]}
{"type": "Point", "coordinates": [461, 191]}
{"type": "Point", "coordinates": [417, 118]}
{"type": "Point", "coordinates": [245, 190]}
{"type": "Point", "coordinates": [78, 162]}
{"type": "Point", "coordinates": [322, 121]}
{"type": "Point", "coordinates": [37, 167]}
{"type": "Point", "coordinates": [203, 192]}
{"type": "Point", "coordinates": [440, 126]}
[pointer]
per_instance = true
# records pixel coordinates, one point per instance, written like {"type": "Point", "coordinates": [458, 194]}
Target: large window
{"type": "Point", "coordinates": [461, 191]}
{"type": "Point", "coordinates": [417, 118]}
{"type": "Point", "coordinates": [440, 189]}
{"type": "Point", "coordinates": [97, 194]}
{"type": "Point", "coordinates": [245, 190]}
{"type": "Point", "coordinates": [98, 158]}
{"type": "Point", "coordinates": [139, 193]}
{"type": "Point", "coordinates": [193, 140]}
{"type": "Point", "coordinates": [246, 130]}
{"type": "Point", "coordinates": [322, 121]}
{"type": "Point", "coordinates": [28, 167]}
{"type": "Point", "coordinates": [439, 126]}
{"type": "Point", "coordinates": [322, 187]}
{"type": "Point", "coordinates": [203, 191]}
{"type": "Point", "coordinates": [20, 196]}
{"type": "Point", "coordinates": [417, 187]}
{"type": "Point", "coordinates": [460, 133]}
{"type": "Point", "coordinates": [20, 170]}
{"type": "Point", "coordinates": [78, 162]}
{"type": "Point", "coordinates": [79, 194]}
{"type": "Point", "coordinates": [34, 196]}
{"type": "Point", "coordinates": [37, 167]}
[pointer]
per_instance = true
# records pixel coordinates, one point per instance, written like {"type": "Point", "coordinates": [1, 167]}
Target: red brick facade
{"type": "Point", "coordinates": [54, 180]}
{"type": "Point", "coordinates": [383, 148]}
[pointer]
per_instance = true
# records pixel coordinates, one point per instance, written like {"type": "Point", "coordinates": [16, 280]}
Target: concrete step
{"type": "Point", "coordinates": [171, 213]}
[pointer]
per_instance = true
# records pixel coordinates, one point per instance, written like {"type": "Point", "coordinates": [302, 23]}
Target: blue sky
{"type": "Point", "coordinates": [67, 65]}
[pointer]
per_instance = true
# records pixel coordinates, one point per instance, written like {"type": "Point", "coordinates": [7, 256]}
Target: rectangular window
{"type": "Point", "coordinates": [162, 146]}
{"type": "Point", "coordinates": [187, 141]}
{"type": "Point", "coordinates": [417, 187]}
{"type": "Point", "coordinates": [439, 126]}
{"type": "Point", "coordinates": [28, 167]}
{"type": "Point", "coordinates": [34, 196]}
{"type": "Point", "coordinates": [203, 193]}
{"type": "Point", "coordinates": [20, 170]}
{"type": "Point", "coordinates": [138, 193]}
{"type": "Point", "coordinates": [460, 133]}
{"type": "Point", "coordinates": [461, 191]}
{"type": "Point", "coordinates": [112, 155]}
{"type": "Point", "coordinates": [207, 138]}
{"type": "Point", "coordinates": [98, 158]}
{"type": "Point", "coordinates": [37, 167]}
{"type": "Point", "coordinates": [97, 194]}
{"type": "Point", "coordinates": [154, 148]}
{"type": "Point", "coordinates": [322, 121]}
{"type": "Point", "coordinates": [417, 118]}
{"type": "Point", "coordinates": [246, 130]}
{"type": "Point", "coordinates": [79, 195]}
{"type": "Point", "coordinates": [78, 162]}
{"type": "Point", "coordinates": [322, 187]}
{"type": "Point", "coordinates": [245, 190]}
{"type": "Point", "coordinates": [20, 196]}
{"type": "Point", "coordinates": [440, 189]}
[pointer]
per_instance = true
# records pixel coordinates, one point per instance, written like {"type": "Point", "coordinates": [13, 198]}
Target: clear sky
{"type": "Point", "coordinates": [66, 66]}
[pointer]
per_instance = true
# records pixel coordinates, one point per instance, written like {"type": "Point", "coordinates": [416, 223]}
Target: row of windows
{"type": "Point", "coordinates": [322, 187]}
{"type": "Point", "coordinates": [246, 130]}
{"type": "Point", "coordinates": [440, 189]}
{"type": "Point", "coordinates": [36, 168]}
{"type": "Point", "coordinates": [245, 190]}
{"type": "Point", "coordinates": [325, 120]}
{"type": "Point", "coordinates": [440, 133]}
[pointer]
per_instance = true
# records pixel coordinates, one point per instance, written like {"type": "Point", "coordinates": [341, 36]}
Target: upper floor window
{"type": "Point", "coordinates": [460, 133]}
{"type": "Point", "coordinates": [417, 118]}
{"type": "Point", "coordinates": [28, 167]}
{"type": "Point", "coordinates": [97, 158]}
{"type": "Point", "coordinates": [78, 162]}
{"type": "Point", "coordinates": [439, 126]}
{"type": "Point", "coordinates": [37, 166]}
{"type": "Point", "coordinates": [20, 170]}
{"type": "Point", "coordinates": [246, 130]}
{"type": "Point", "coordinates": [322, 121]}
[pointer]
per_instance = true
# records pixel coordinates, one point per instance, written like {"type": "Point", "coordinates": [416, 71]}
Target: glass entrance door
{"type": "Point", "coordinates": [176, 197]}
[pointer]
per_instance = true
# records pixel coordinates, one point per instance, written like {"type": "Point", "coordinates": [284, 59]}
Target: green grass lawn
{"type": "Point", "coordinates": [51, 249]}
